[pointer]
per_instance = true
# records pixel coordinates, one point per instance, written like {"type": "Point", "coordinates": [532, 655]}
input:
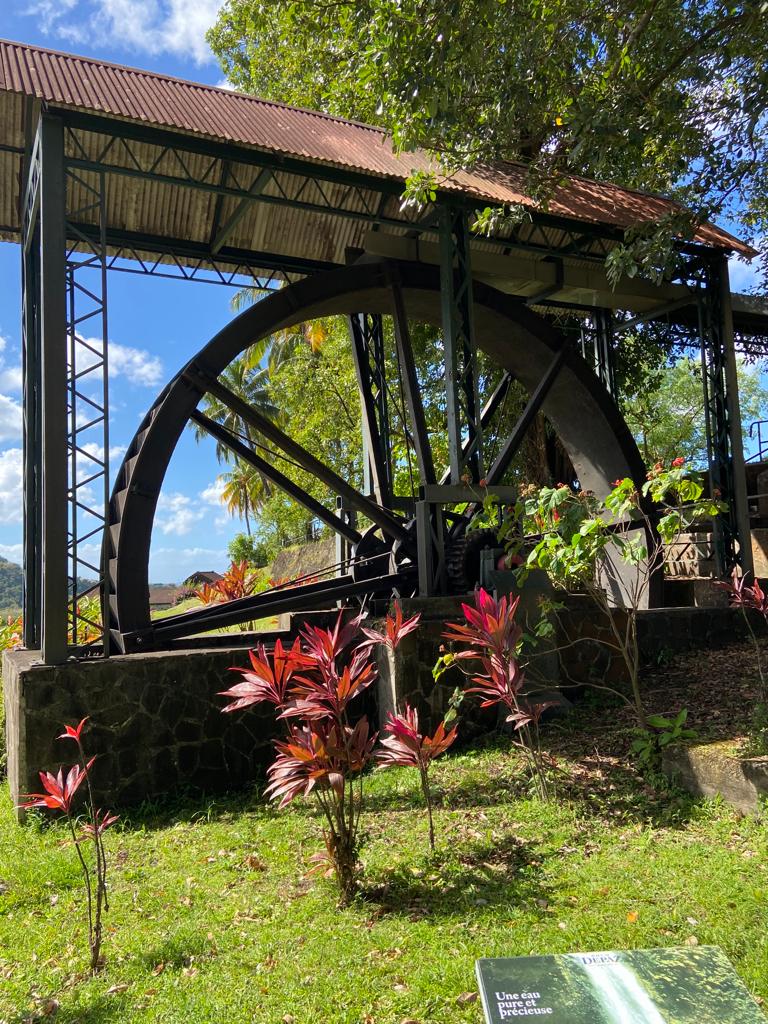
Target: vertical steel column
{"type": "Point", "coordinates": [465, 435]}
{"type": "Point", "coordinates": [53, 370]}
{"type": "Point", "coordinates": [88, 391]}
{"type": "Point", "coordinates": [604, 359]}
{"type": "Point", "coordinates": [367, 337]}
{"type": "Point", "coordinates": [31, 418]}
{"type": "Point", "coordinates": [430, 542]}
{"type": "Point", "coordinates": [733, 543]}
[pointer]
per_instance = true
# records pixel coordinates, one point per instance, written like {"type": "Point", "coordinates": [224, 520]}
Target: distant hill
{"type": "Point", "coordinates": [10, 584]}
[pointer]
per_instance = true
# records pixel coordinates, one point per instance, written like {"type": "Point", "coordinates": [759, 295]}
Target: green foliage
{"type": "Point", "coordinates": [577, 528]}
{"type": "Point", "coordinates": [243, 548]}
{"type": "Point", "coordinates": [664, 406]}
{"type": "Point", "coordinates": [10, 584]}
{"type": "Point", "coordinates": [316, 394]}
{"type": "Point", "coordinates": [663, 96]}
{"type": "Point", "coordinates": [660, 732]}
{"type": "Point", "coordinates": [582, 542]}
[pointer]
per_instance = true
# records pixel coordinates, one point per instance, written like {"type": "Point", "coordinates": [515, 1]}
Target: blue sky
{"type": "Point", "coordinates": [155, 325]}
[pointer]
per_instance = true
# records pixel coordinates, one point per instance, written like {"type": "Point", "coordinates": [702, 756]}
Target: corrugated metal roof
{"type": "Point", "coordinates": [98, 87]}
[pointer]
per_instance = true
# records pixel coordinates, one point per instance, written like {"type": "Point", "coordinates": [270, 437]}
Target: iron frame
{"type": "Point", "coordinates": [58, 245]}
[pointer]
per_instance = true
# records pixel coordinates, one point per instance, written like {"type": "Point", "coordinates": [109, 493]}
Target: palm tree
{"type": "Point", "coordinates": [240, 494]}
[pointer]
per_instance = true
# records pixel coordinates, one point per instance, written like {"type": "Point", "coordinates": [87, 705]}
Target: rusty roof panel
{"type": "Point", "coordinates": [98, 87]}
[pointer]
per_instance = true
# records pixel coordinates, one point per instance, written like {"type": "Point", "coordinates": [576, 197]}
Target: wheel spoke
{"type": "Point", "coordinates": [390, 523]}
{"type": "Point", "coordinates": [242, 451]}
{"type": "Point", "coordinates": [512, 444]}
{"type": "Point", "coordinates": [421, 443]}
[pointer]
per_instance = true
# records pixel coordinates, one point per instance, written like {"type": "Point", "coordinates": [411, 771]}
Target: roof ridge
{"type": "Point", "coordinates": [204, 86]}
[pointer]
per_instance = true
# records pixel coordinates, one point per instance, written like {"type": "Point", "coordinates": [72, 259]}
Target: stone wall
{"type": "Point", "coordinates": [156, 723]}
{"type": "Point", "coordinates": [157, 726]}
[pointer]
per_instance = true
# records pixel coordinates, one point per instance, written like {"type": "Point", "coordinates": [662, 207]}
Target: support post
{"type": "Point", "coordinates": [465, 434]}
{"type": "Point", "coordinates": [733, 544]}
{"type": "Point", "coordinates": [31, 419]}
{"type": "Point", "coordinates": [741, 506]}
{"type": "Point", "coordinates": [53, 368]}
{"type": "Point", "coordinates": [431, 549]}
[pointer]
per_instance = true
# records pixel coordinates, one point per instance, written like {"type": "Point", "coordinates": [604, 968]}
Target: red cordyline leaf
{"type": "Point", "coordinates": [490, 625]}
{"type": "Point", "coordinates": [267, 680]}
{"type": "Point", "coordinates": [394, 629]}
{"type": "Point", "coordinates": [72, 732]}
{"type": "Point", "coordinates": [500, 683]}
{"type": "Point", "coordinates": [742, 596]}
{"type": "Point", "coordinates": [328, 692]}
{"type": "Point", "coordinates": [59, 789]}
{"type": "Point", "coordinates": [406, 746]}
{"type": "Point", "coordinates": [103, 820]}
{"type": "Point", "coordinates": [320, 754]}
{"type": "Point", "coordinates": [325, 646]}
{"type": "Point", "coordinates": [528, 713]}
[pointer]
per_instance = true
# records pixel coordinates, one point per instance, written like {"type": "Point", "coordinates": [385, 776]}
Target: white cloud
{"type": "Point", "coordinates": [10, 419]}
{"type": "Point", "coordinates": [97, 450]}
{"type": "Point", "coordinates": [12, 552]}
{"type": "Point", "coordinates": [743, 276]}
{"type": "Point", "coordinates": [211, 495]}
{"type": "Point", "coordinates": [11, 485]}
{"type": "Point", "coordinates": [136, 364]}
{"type": "Point", "coordinates": [10, 376]}
{"type": "Point", "coordinates": [147, 26]}
{"type": "Point", "coordinates": [172, 565]}
{"type": "Point", "coordinates": [176, 514]}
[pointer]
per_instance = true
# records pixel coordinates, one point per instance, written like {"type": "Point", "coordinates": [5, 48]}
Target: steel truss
{"type": "Point", "coordinates": [463, 401]}
{"type": "Point", "coordinates": [98, 144]}
{"type": "Point", "coordinates": [67, 253]}
{"type": "Point", "coordinates": [367, 337]}
{"type": "Point", "coordinates": [87, 409]}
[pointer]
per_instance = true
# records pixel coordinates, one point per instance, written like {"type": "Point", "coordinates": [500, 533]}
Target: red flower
{"type": "Point", "coordinates": [483, 483]}
{"type": "Point", "coordinates": [617, 483]}
{"type": "Point", "coordinates": [555, 516]}
{"type": "Point", "coordinates": [72, 732]}
{"type": "Point", "coordinates": [59, 791]}
{"type": "Point", "coordinates": [678, 462]}
{"type": "Point", "coordinates": [395, 629]}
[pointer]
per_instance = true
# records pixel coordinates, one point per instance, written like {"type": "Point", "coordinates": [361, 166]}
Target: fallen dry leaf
{"type": "Point", "coordinates": [116, 990]}
{"type": "Point", "coordinates": [466, 998]}
{"type": "Point", "coordinates": [632, 917]}
{"type": "Point", "coordinates": [691, 941]}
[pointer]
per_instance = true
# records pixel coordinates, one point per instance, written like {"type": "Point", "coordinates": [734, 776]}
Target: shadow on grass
{"type": "Point", "coordinates": [102, 1010]}
{"type": "Point", "coordinates": [192, 809]}
{"type": "Point", "coordinates": [176, 951]}
{"type": "Point", "coordinates": [488, 874]}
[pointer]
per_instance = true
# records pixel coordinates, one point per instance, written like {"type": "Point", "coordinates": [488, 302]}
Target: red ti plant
{"type": "Point", "coordinates": [489, 640]}
{"type": "Point", "coordinates": [405, 745]}
{"type": "Point", "coordinates": [312, 686]}
{"type": "Point", "coordinates": [60, 790]}
{"type": "Point", "coordinates": [747, 598]}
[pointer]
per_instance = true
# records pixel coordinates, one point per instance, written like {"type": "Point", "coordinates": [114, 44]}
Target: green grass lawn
{"type": "Point", "coordinates": [212, 919]}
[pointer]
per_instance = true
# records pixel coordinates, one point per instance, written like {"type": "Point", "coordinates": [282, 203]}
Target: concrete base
{"type": "Point", "coordinates": [712, 769]}
{"type": "Point", "coordinates": [155, 723]}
